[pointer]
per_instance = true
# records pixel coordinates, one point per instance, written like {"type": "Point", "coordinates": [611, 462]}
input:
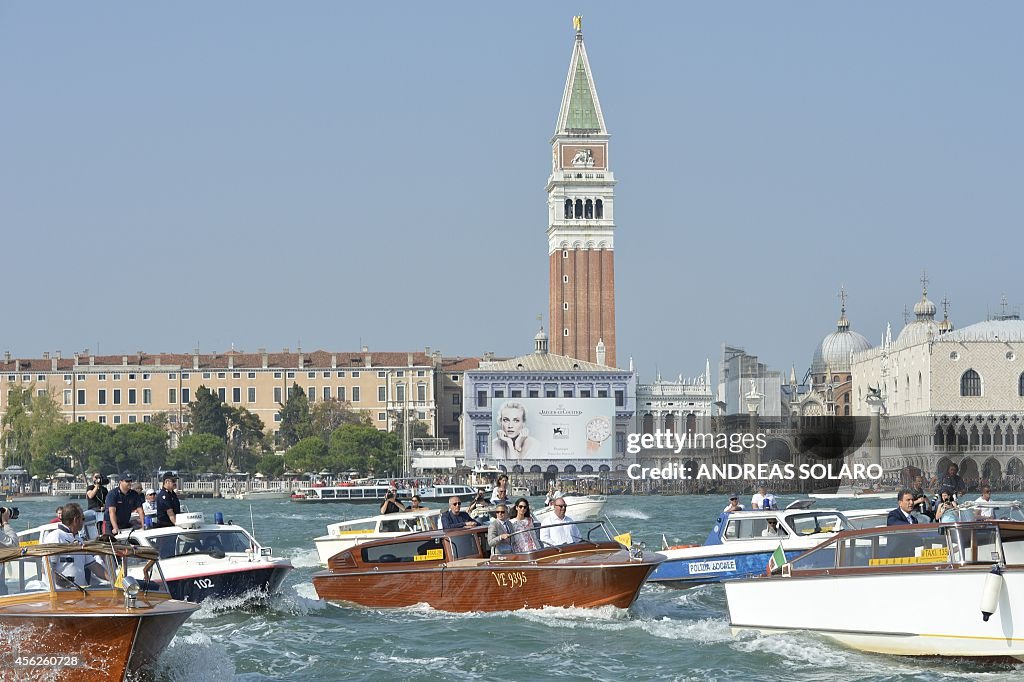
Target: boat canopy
{"type": "Point", "coordinates": [105, 548]}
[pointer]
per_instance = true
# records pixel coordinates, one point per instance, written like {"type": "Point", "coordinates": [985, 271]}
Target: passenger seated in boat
{"type": "Point", "coordinates": [734, 504]}
{"type": "Point", "coordinates": [500, 532]}
{"type": "Point", "coordinates": [903, 514]}
{"type": "Point", "coordinates": [416, 506]}
{"type": "Point", "coordinates": [772, 530]}
{"type": "Point", "coordinates": [77, 567]}
{"type": "Point", "coordinates": [552, 533]}
{"type": "Point", "coordinates": [455, 517]}
{"type": "Point", "coordinates": [525, 537]}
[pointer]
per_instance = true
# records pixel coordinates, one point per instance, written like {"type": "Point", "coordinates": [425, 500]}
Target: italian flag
{"type": "Point", "coordinates": [777, 559]}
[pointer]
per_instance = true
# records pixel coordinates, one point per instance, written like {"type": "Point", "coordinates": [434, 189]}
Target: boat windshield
{"type": "Point", "coordinates": [892, 546]}
{"type": "Point", "coordinates": [1008, 511]}
{"type": "Point", "coordinates": [202, 541]}
{"type": "Point", "coordinates": [811, 522]}
{"type": "Point", "coordinates": [24, 576]}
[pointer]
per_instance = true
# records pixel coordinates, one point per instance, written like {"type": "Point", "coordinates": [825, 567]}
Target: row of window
{"type": "Point", "coordinates": [481, 395]}
{"type": "Point", "coordinates": [970, 384]}
{"type": "Point", "coordinates": [146, 376]}
{"type": "Point", "coordinates": [588, 209]}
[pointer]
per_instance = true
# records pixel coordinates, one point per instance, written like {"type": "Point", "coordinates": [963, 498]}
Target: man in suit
{"type": "Point", "coordinates": [902, 515]}
{"type": "Point", "coordinates": [455, 517]}
{"type": "Point", "coordinates": [500, 532]}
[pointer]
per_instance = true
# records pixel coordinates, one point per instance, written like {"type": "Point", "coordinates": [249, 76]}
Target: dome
{"type": "Point", "coordinates": [917, 332]}
{"type": "Point", "coordinates": [540, 342]}
{"type": "Point", "coordinates": [924, 308]}
{"type": "Point", "coordinates": [833, 354]}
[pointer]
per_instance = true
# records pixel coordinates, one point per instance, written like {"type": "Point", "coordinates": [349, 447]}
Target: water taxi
{"type": "Point", "coordinates": [455, 571]}
{"type": "Point", "coordinates": [344, 534]}
{"type": "Point", "coordinates": [578, 508]}
{"type": "Point", "coordinates": [77, 612]}
{"type": "Point", "coordinates": [854, 589]}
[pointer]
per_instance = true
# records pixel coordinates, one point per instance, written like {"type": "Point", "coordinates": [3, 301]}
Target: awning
{"type": "Point", "coordinates": [422, 463]}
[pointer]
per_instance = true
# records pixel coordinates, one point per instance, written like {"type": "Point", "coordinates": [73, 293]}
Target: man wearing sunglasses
{"type": "Point", "coordinates": [499, 533]}
{"type": "Point", "coordinates": [455, 517]}
{"type": "Point", "coordinates": [554, 533]}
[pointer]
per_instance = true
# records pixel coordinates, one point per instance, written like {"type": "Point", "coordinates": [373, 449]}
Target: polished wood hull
{"type": "Point", "coordinates": [580, 578]}
{"type": "Point", "coordinates": [84, 637]}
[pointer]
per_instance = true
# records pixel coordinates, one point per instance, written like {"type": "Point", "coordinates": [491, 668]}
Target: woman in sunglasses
{"type": "Point", "coordinates": [523, 521]}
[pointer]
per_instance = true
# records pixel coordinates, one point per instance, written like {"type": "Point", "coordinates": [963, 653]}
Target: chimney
{"type": "Point", "coordinates": [334, 360]}
{"type": "Point", "coordinates": [58, 355]}
{"type": "Point", "coordinates": [302, 358]}
{"type": "Point", "coordinates": [124, 360]}
{"type": "Point", "coordinates": [427, 351]}
{"type": "Point", "coordinates": [195, 358]}
{"type": "Point", "coordinates": [139, 354]}
{"type": "Point", "coordinates": [76, 359]}
{"type": "Point", "coordinates": [436, 357]}
{"type": "Point", "coordinates": [92, 360]}
{"type": "Point", "coordinates": [264, 358]}
{"type": "Point", "coordinates": [366, 358]}
{"type": "Point", "coordinates": [157, 359]}
{"type": "Point", "coordinates": [7, 356]}
{"type": "Point", "coordinates": [286, 350]}
{"type": "Point", "coordinates": [231, 360]}
{"type": "Point", "coordinates": [17, 365]}
{"type": "Point", "coordinates": [53, 364]}
{"type": "Point", "coordinates": [46, 355]}
{"type": "Point", "coordinates": [408, 359]}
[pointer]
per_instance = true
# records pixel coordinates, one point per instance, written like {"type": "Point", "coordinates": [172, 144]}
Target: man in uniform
{"type": "Point", "coordinates": [167, 505]}
{"type": "Point", "coordinates": [121, 502]}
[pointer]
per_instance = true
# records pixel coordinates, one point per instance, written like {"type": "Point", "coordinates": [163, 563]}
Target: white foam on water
{"type": "Point", "coordinates": [212, 607]}
{"type": "Point", "coordinates": [297, 603]}
{"type": "Point", "coordinates": [796, 649]}
{"type": "Point", "coordinates": [194, 658]}
{"type": "Point", "coordinates": [627, 514]}
{"type": "Point", "coordinates": [304, 558]}
{"type": "Point", "coordinates": [306, 591]}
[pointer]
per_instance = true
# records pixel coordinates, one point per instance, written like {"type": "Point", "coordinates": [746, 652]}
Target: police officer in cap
{"type": "Point", "coordinates": [167, 505]}
{"type": "Point", "coordinates": [121, 502]}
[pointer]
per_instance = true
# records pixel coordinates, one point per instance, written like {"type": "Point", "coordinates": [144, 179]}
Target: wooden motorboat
{"type": "Point", "coordinates": [62, 620]}
{"type": "Point", "coordinates": [344, 534]}
{"type": "Point", "coordinates": [854, 589]}
{"type": "Point", "coordinates": [454, 571]}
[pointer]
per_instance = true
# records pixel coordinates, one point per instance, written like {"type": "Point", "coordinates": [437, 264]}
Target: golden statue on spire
{"type": "Point", "coordinates": [577, 23]}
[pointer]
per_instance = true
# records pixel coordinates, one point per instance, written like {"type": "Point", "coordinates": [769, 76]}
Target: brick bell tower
{"type": "Point", "coordinates": [581, 221]}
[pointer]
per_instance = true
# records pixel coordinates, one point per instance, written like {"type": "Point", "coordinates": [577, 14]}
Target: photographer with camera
{"type": "Point", "coordinates": [8, 536]}
{"type": "Point", "coordinates": [97, 492]}
{"type": "Point", "coordinates": [391, 504]}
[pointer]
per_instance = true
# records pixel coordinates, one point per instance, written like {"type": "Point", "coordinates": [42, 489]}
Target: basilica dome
{"type": "Point", "coordinates": [922, 328]}
{"type": "Point", "coordinates": [833, 353]}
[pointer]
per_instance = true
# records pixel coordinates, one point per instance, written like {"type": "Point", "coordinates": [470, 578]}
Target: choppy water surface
{"type": "Point", "coordinates": [666, 635]}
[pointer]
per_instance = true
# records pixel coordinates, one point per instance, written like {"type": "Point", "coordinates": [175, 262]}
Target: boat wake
{"type": "Point", "coordinates": [194, 658]}
{"type": "Point", "coordinates": [627, 514]}
{"type": "Point", "coordinates": [303, 557]}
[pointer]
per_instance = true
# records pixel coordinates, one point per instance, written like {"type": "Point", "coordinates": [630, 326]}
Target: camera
{"type": "Point", "coordinates": [14, 511]}
{"type": "Point", "coordinates": [102, 481]}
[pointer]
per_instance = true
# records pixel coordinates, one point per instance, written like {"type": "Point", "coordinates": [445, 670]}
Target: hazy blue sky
{"type": "Point", "coordinates": [333, 173]}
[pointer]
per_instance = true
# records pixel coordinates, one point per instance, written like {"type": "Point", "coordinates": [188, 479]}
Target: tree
{"type": "Point", "coordinates": [45, 420]}
{"type": "Point", "coordinates": [328, 416]}
{"type": "Point", "coordinates": [90, 445]}
{"type": "Point", "coordinates": [295, 420]}
{"type": "Point", "coordinates": [207, 414]}
{"type": "Point", "coordinates": [365, 449]}
{"type": "Point", "coordinates": [198, 452]}
{"type": "Point", "coordinates": [245, 438]}
{"type": "Point", "coordinates": [271, 465]}
{"type": "Point", "coordinates": [141, 447]}
{"type": "Point", "coordinates": [417, 428]}
{"type": "Point", "coordinates": [16, 426]}
{"type": "Point", "coordinates": [310, 455]}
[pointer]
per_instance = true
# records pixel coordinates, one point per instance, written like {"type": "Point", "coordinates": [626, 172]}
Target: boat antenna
{"type": "Point", "coordinates": [614, 529]}
{"type": "Point", "coordinates": [252, 522]}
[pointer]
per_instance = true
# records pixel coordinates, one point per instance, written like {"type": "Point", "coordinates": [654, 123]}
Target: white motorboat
{"type": "Point", "coordinates": [263, 494]}
{"type": "Point", "coordinates": [202, 560]}
{"type": "Point", "coordinates": [854, 590]}
{"type": "Point", "coordinates": [578, 508]}
{"type": "Point", "coordinates": [741, 544]}
{"type": "Point", "coordinates": [518, 491]}
{"type": "Point", "coordinates": [374, 494]}
{"type": "Point", "coordinates": [340, 536]}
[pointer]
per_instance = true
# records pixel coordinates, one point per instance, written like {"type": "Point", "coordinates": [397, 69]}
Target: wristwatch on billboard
{"type": "Point", "coordinates": [598, 431]}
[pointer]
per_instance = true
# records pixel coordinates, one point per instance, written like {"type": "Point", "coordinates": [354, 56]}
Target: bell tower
{"type": "Point", "coordinates": [581, 221]}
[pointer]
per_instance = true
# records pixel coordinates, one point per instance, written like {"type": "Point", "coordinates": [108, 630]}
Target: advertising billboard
{"type": "Point", "coordinates": [553, 428]}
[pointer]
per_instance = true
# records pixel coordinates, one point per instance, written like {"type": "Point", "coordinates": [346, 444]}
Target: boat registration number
{"type": "Point", "coordinates": [512, 580]}
{"type": "Point", "coordinates": [46, 661]}
{"type": "Point", "coordinates": [712, 566]}
{"type": "Point", "coordinates": [203, 583]}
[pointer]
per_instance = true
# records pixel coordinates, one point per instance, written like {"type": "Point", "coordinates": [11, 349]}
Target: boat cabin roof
{"type": "Point", "coordinates": [118, 550]}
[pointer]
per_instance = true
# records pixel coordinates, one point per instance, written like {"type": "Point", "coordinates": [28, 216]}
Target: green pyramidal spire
{"type": "Point", "coordinates": [581, 110]}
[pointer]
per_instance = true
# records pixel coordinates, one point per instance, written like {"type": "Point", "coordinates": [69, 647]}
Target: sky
{"type": "Point", "coordinates": [335, 174]}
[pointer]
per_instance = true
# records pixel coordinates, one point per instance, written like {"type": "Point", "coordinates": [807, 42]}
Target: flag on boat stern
{"type": "Point", "coordinates": [625, 539]}
{"type": "Point", "coordinates": [777, 559]}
